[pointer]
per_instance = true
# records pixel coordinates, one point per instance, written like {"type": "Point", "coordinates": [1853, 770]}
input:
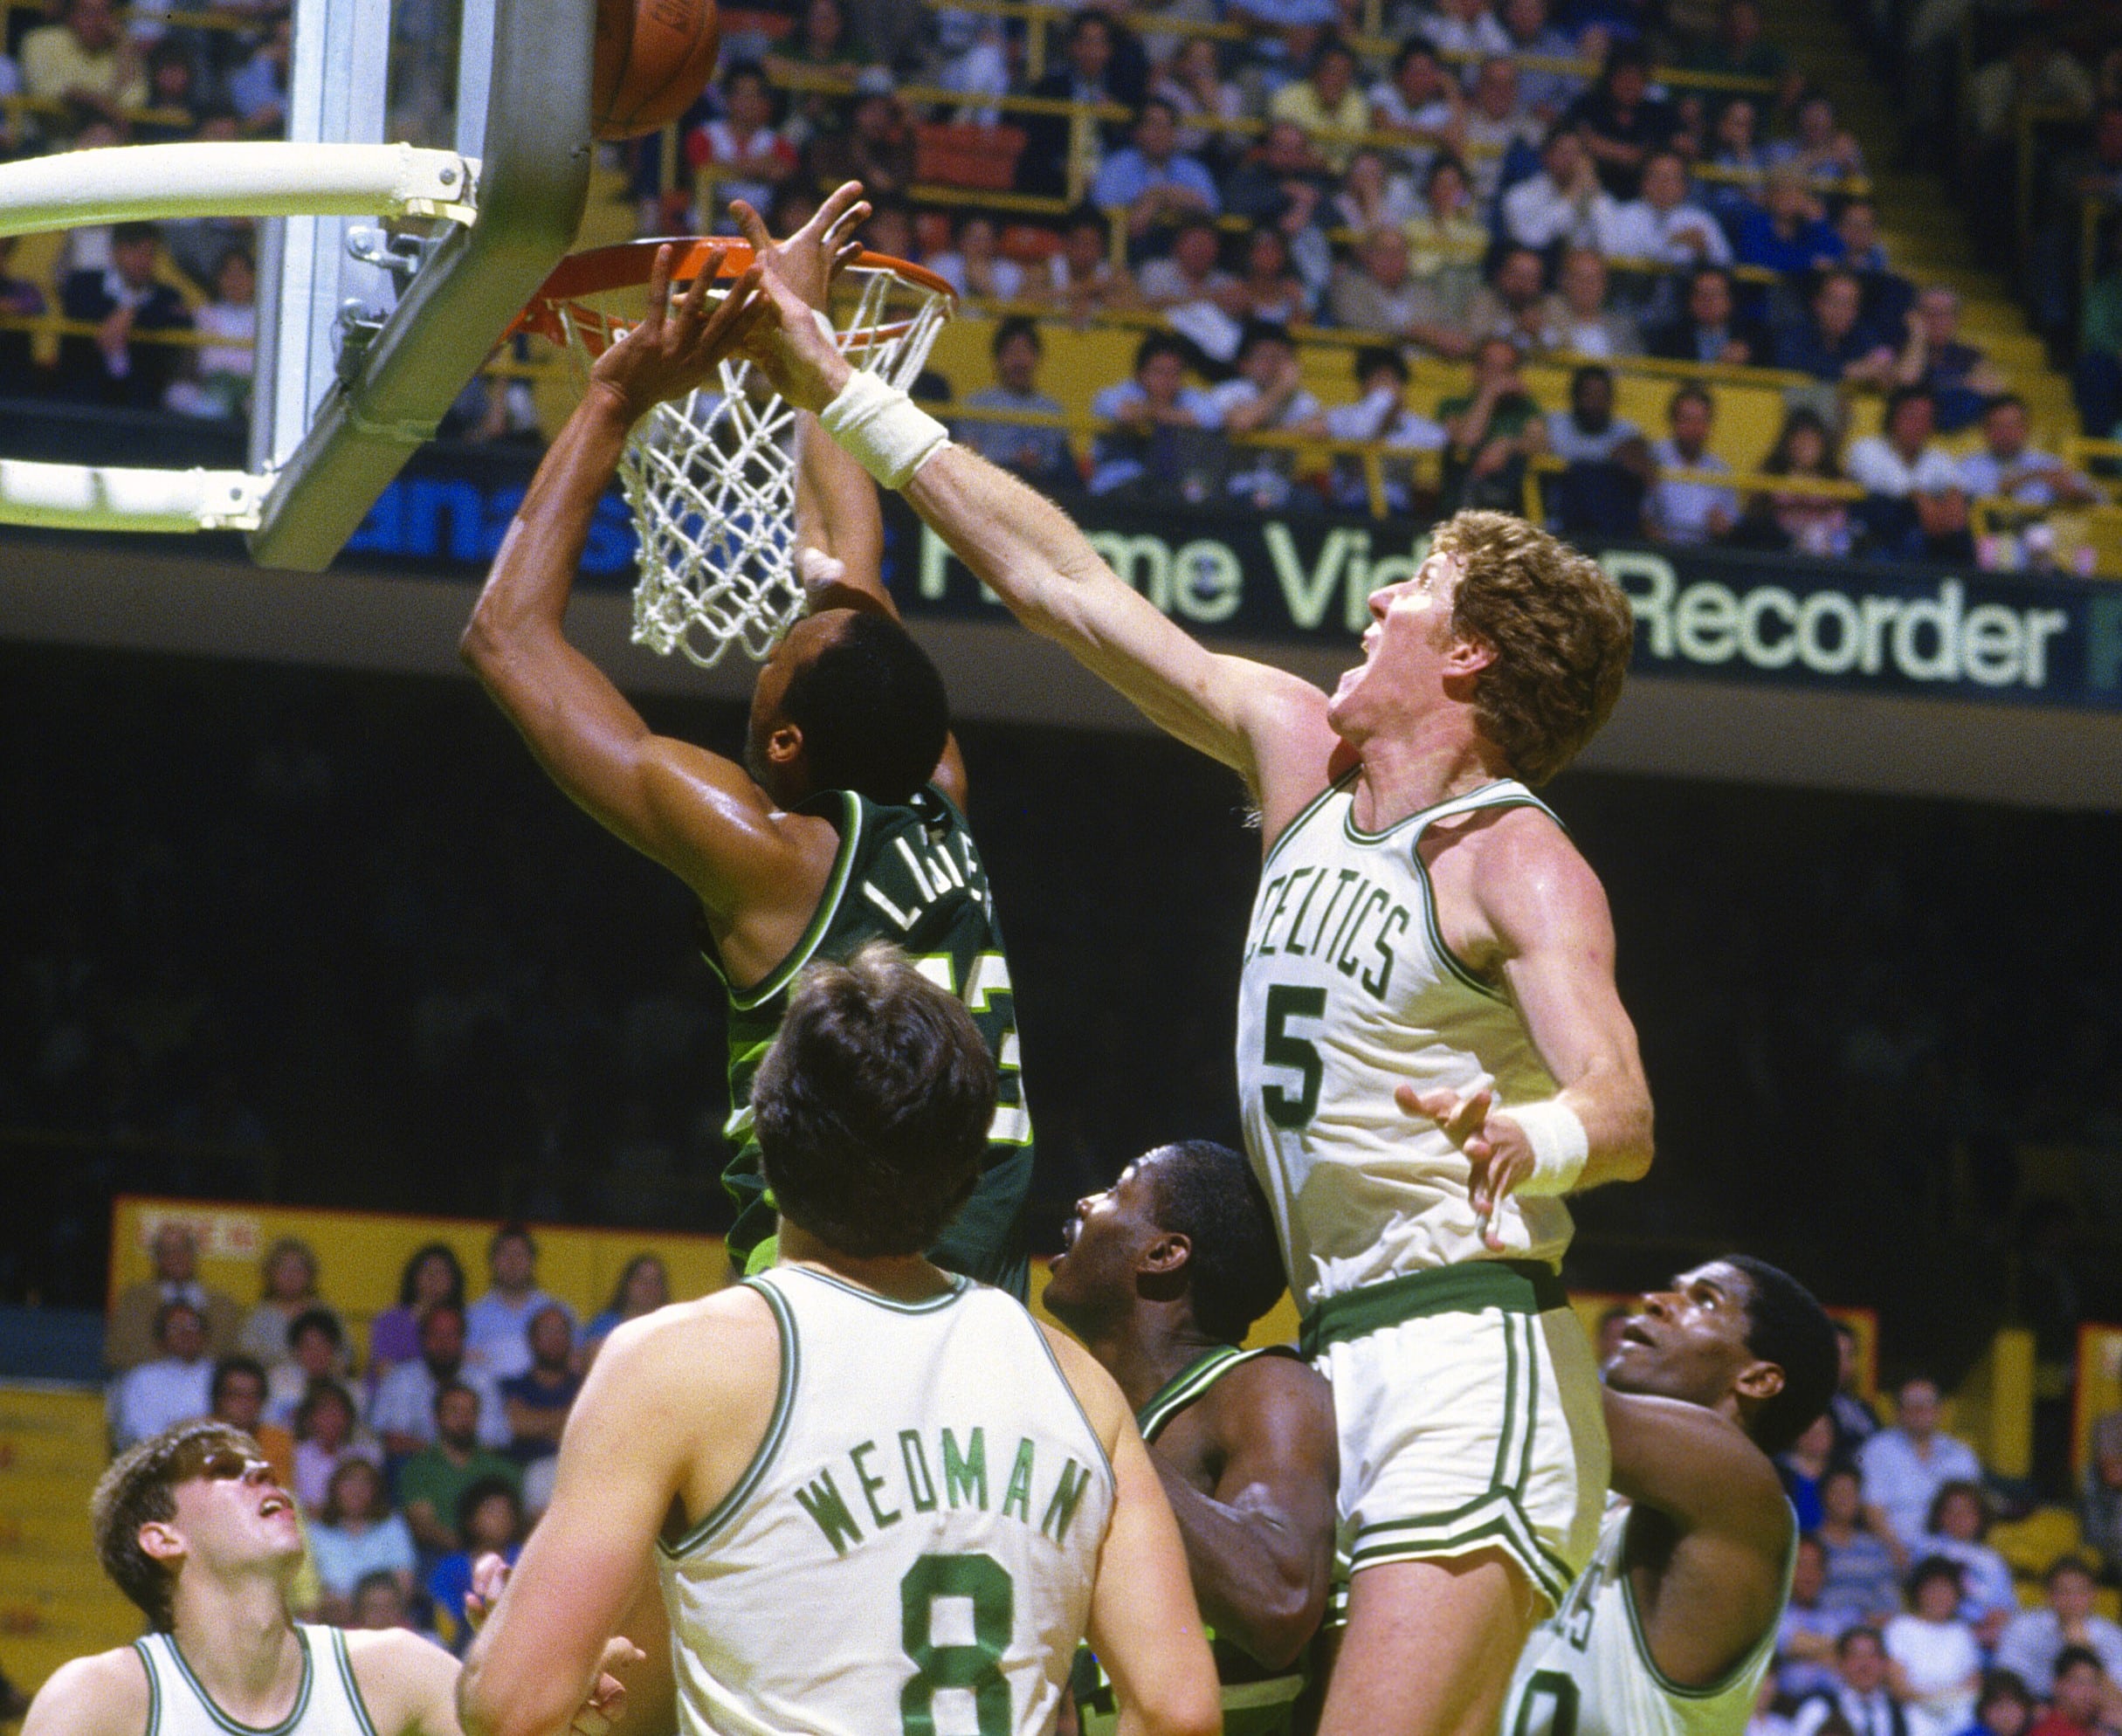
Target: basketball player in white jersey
{"type": "Point", "coordinates": [192, 1528]}
{"type": "Point", "coordinates": [1431, 1048]}
{"type": "Point", "coordinates": [879, 1497]}
{"type": "Point", "coordinates": [1672, 1629]}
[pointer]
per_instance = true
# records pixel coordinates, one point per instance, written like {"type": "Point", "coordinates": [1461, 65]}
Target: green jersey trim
{"type": "Point", "coordinates": [769, 1447]}
{"type": "Point", "coordinates": [155, 1688]}
{"type": "Point", "coordinates": [348, 1681]}
{"type": "Point", "coordinates": [1733, 1677]}
{"type": "Point", "coordinates": [1514, 1286]}
{"type": "Point", "coordinates": [236, 1725]}
{"type": "Point", "coordinates": [1335, 787]}
{"type": "Point", "coordinates": [958, 1285]}
{"type": "Point", "coordinates": [820, 918]}
{"type": "Point", "coordinates": [1356, 834]}
{"type": "Point", "coordinates": [1190, 1383]}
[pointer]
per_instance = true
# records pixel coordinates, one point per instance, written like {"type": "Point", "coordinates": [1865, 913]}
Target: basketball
{"type": "Point", "coordinates": [653, 58]}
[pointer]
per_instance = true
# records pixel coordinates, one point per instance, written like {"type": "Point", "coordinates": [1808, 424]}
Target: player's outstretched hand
{"type": "Point", "coordinates": [677, 343]}
{"type": "Point", "coordinates": [1499, 1156]}
{"type": "Point", "coordinates": [787, 344]}
{"type": "Point", "coordinates": [489, 1574]}
{"type": "Point", "coordinates": [597, 1714]}
{"type": "Point", "coordinates": [810, 259]}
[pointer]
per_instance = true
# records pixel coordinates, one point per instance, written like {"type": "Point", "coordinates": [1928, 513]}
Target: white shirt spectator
{"type": "Point", "coordinates": [1899, 1481]}
{"type": "Point", "coordinates": [1479, 36]}
{"type": "Point", "coordinates": [344, 1559]}
{"type": "Point", "coordinates": [1936, 1657]}
{"type": "Point", "coordinates": [1874, 466]}
{"type": "Point", "coordinates": [1984, 1576]}
{"type": "Point", "coordinates": [1537, 214]}
{"type": "Point", "coordinates": [1681, 510]}
{"type": "Point", "coordinates": [497, 1331]}
{"type": "Point", "coordinates": [2029, 1645]}
{"type": "Point", "coordinates": [405, 1404]}
{"type": "Point", "coordinates": [1635, 228]}
{"type": "Point", "coordinates": [1870, 1714]}
{"type": "Point", "coordinates": [1261, 474]}
{"type": "Point", "coordinates": [1009, 275]}
{"type": "Point", "coordinates": [1574, 444]}
{"type": "Point", "coordinates": [149, 1398]}
{"type": "Point", "coordinates": [2033, 474]}
{"type": "Point", "coordinates": [1376, 418]}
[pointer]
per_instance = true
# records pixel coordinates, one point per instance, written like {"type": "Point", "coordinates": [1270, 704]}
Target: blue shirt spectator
{"type": "Point", "coordinates": [1153, 171]}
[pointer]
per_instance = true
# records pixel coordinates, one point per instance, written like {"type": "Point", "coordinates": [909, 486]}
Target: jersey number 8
{"type": "Point", "coordinates": [976, 1668]}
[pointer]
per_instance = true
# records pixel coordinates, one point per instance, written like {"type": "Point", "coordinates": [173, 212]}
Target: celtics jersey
{"type": "Point", "coordinates": [1251, 1707]}
{"type": "Point", "coordinates": [1348, 990]}
{"type": "Point", "coordinates": [914, 1545]}
{"type": "Point", "coordinates": [909, 875]}
{"type": "Point", "coordinates": [1587, 1670]}
{"type": "Point", "coordinates": [327, 1703]}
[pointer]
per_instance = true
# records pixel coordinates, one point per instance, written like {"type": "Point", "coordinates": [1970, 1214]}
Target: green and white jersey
{"type": "Point", "coordinates": [326, 1704]}
{"type": "Point", "coordinates": [913, 1547]}
{"type": "Point", "coordinates": [911, 876]}
{"type": "Point", "coordinates": [1588, 1671]}
{"type": "Point", "coordinates": [1253, 1705]}
{"type": "Point", "coordinates": [1347, 990]}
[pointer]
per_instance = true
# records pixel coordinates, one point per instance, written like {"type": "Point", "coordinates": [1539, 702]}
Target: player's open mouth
{"type": "Point", "coordinates": [274, 1504]}
{"type": "Point", "coordinates": [1633, 1333]}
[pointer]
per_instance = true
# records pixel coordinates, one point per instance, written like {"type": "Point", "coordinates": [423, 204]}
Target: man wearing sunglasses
{"type": "Point", "coordinates": [192, 1526]}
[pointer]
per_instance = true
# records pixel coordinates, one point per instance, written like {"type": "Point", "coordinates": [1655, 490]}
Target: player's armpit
{"type": "Point", "coordinates": [105, 1695]}
{"type": "Point", "coordinates": [1144, 1626]}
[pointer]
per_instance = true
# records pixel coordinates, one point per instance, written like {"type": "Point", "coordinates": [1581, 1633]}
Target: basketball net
{"type": "Point", "coordinates": [710, 478]}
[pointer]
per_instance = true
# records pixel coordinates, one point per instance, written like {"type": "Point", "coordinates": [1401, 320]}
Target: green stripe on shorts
{"type": "Point", "coordinates": [1513, 1287]}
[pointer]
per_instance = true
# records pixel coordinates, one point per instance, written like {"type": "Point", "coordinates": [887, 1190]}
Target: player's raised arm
{"type": "Point", "coordinates": [1266, 724]}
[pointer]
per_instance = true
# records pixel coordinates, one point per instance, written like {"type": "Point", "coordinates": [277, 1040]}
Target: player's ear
{"type": "Point", "coordinates": [1758, 1382]}
{"type": "Point", "coordinates": [160, 1542]}
{"type": "Point", "coordinates": [1468, 655]}
{"type": "Point", "coordinates": [784, 746]}
{"type": "Point", "coordinates": [1168, 1254]}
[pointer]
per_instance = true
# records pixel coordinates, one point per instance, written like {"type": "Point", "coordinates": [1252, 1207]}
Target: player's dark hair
{"type": "Point", "coordinates": [2002, 1684]}
{"type": "Point", "coordinates": [1786, 1325]}
{"type": "Point", "coordinates": [872, 711]}
{"type": "Point", "coordinates": [140, 1488]}
{"type": "Point", "coordinates": [1206, 1193]}
{"type": "Point", "coordinates": [226, 1368]}
{"type": "Point", "coordinates": [873, 1108]}
{"type": "Point", "coordinates": [409, 1280]}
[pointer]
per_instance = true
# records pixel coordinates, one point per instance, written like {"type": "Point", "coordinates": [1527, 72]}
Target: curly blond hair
{"type": "Point", "coordinates": [1562, 630]}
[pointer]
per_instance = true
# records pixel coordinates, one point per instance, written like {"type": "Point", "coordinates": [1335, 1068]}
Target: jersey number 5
{"type": "Point", "coordinates": [984, 1583]}
{"type": "Point", "coordinates": [1280, 1049]}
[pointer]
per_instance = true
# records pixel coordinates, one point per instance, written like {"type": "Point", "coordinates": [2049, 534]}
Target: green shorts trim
{"type": "Point", "coordinates": [1495, 1521]}
{"type": "Point", "coordinates": [1513, 1287]}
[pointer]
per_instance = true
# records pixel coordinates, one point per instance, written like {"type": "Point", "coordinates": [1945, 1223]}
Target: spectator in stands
{"type": "Point", "coordinates": [976, 267]}
{"type": "Point", "coordinates": [1830, 343]}
{"type": "Point", "coordinates": [1735, 147]}
{"type": "Point", "coordinates": [236, 1395]}
{"type": "Point", "coordinates": [1857, 226]}
{"type": "Point", "coordinates": [87, 62]}
{"type": "Point", "coordinates": [1148, 453]}
{"type": "Point", "coordinates": [644, 1285]}
{"type": "Point", "coordinates": [1500, 139]}
{"type": "Point", "coordinates": [1492, 432]}
{"type": "Point", "coordinates": [1419, 105]}
{"type": "Point", "coordinates": [173, 104]}
{"type": "Point", "coordinates": [1466, 28]}
{"type": "Point", "coordinates": [1709, 327]}
{"type": "Point", "coordinates": [432, 1483]}
{"type": "Point", "coordinates": [129, 304]}
{"type": "Point", "coordinates": [1192, 271]}
{"type": "Point", "coordinates": [2100, 1510]}
{"type": "Point", "coordinates": [497, 1326]}
{"type": "Point", "coordinates": [404, 1414]}
{"type": "Point", "coordinates": [2002, 1708]}
{"type": "Point", "coordinates": [1934, 1661]}
{"type": "Point", "coordinates": [287, 1289]}
{"type": "Point", "coordinates": [1859, 1697]}
{"type": "Point", "coordinates": [1806, 1636]}
{"type": "Point", "coordinates": [1512, 304]}
{"type": "Point", "coordinates": [489, 1522]}
{"type": "Point", "coordinates": [357, 1533]}
{"type": "Point", "coordinates": [20, 299]}
{"type": "Point", "coordinates": [1151, 179]}
{"type": "Point", "coordinates": [1621, 122]}
{"type": "Point", "coordinates": [1373, 195]}
{"type": "Point", "coordinates": [1268, 396]}
{"type": "Point", "coordinates": [1545, 94]}
{"type": "Point", "coordinates": [1601, 492]}
{"type": "Point", "coordinates": [1958, 1526]}
{"type": "Point", "coordinates": [1855, 1421]}
{"type": "Point", "coordinates": [1960, 378]}
{"type": "Point", "coordinates": [1738, 49]}
{"type": "Point", "coordinates": [134, 1334]}
{"type": "Point", "coordinates": [1685, 513]}
{"type": "Point", "coordinates": [1086, 73]}
{"type": "Point", "coordinates": [1381, 413]}
{"type": "Point", "coordinates": [2034, 1642]}
{"type": "Point", "coordinates": [1082, 276]}
{"type": "Point", "coordinates": [432, 1275]}
{"type": "Point", "coordinates": [537, 1401]}
{"type": "Point", "coordinates": [1267, 286]}
{"type": "Point", "coordinates": [1581, 317]}
{"type": "Point", "coordinates": [216, 383]}
{"type": "Point", "coordinates": [1803, 1464]}
{"type": "Point", "coordinates": [1662, 223]}
{"type": "Point", "coordinates": [1556, 204]}
{"type": "Point", "coordinates": [1913, 509]}
{"type": "Point", "coordinates": [1905, 1466]}
{"type": "Point", "coordinates": [1447, 239]}
{"type": "Point", "coordinates": [316, 1351]}
{"type": "Point", "coordinates": [1785, 232]}
{"type": "Point", "coordinates": [2079, 1699]}
{"type": "Point", "coordinates": [1039, 454]}
{"type": "Point", "coordinates": [1861, 1578]}
{"type": "Point", "coordinates": [1375, 291]}
{"type": "Point", "coordinates": [173, 1388]}
{"type": "Point", "coordinates": [258, 88]}
{"type": "Point", "coordinates": [741, 155]}
{"type": "Point", "coordinates": [1822, 152]}
{"type": "Point", "coordinates": [1281, 181]}
{"type": "Point", "coordinates": [327, 1434]}
{"type": "Point", "coordinates": [822, 48]}
{"type": "Point", "coordinates": [2008, 466]}
{"type": "Point", "coordinates": [1193, 82]}
{"type": "Point", "coordinates": [1326, 103]}
{"type": "Point", "coordinates": [877, 148]}
{"type": "Point", "coordinates": [1804, 523]}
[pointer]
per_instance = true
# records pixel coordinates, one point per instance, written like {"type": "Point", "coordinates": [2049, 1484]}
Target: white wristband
{"type": "Point", "coordinates": [1559, 1146]}
{"type": "Point", "coordinates": [883, 430]}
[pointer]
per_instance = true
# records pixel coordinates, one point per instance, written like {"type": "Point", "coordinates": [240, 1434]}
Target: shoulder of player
{"type": "Point", "coordinates": [690, 1351]}
{"type": "Point", "coordinates": [1523, 866]}
{"type": "Point", "coordinates": [1295, 751]}
{"type": "Point", "coordinates": [397, 1671]}
{"type": "Point", "coordinates": [1096, 1390]}
{"type": "Point", "coordinates": [105, 1694]}
{"type": "Point", "coordinates": [1696, 1466]}
{"type": "Point", "coordinates": [738, 846]}
{"type": "Point", "coordinates": [1276, 1391]}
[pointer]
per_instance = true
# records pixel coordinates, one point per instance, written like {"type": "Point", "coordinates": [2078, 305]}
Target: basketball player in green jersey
{"type": "Point", "coordinates": [192, 1525]}
{"type": "Point", "coordinates": [1432, 1051]}
{"type": "Point", "coordinates": [1160, 1276]}
{"type": "Point", "coordinates": [844, 823]}
{"type": "Point", "coordinates": [1672, 1629]}
{"type": "Point", "coordinates": [880, 1498]}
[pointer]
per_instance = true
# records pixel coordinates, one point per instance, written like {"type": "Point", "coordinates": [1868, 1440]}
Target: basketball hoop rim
{"type": "Point", "coordinates": [626, 265]}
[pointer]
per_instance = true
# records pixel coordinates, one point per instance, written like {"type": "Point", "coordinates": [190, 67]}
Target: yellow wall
{"type": "Point", "coordinates": [2100, 1386]}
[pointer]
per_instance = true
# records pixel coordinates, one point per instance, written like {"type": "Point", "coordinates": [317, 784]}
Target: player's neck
{"type": "Point", "coordinates": [904, 1277]}
{"type": "Point", "coordinates": [1441, 756]}
{"type": "Point", "coordinates": [235, 1635]}
{"type": "Point", "coordinates": [1146, 1349]}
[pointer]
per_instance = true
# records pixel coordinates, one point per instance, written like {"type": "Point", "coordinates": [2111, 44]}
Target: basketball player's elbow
{"type": "Point", "coordinates": [1189, 1704]}
{"type": "Point", "coordinates": [488, 1705]}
